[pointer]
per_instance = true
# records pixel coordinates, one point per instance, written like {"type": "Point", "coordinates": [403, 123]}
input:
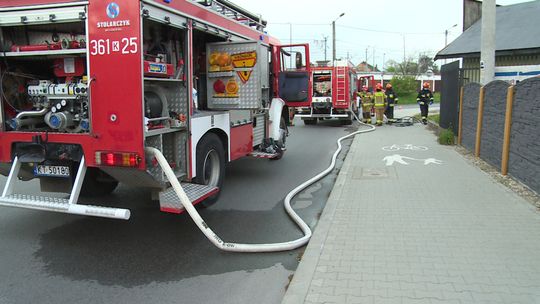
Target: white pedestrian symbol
{"type": "Point", "coordinates": [396, 158]}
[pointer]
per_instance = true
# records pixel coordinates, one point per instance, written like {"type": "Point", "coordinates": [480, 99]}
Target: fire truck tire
{"type": "Point", "coordinates": [312, 121]}
{"type": "Point", "coordinates": [97, 183]}
{"type": "Point", "coordinates": [346, 121]}
{"type": "Point", "coordinates": [210, 165]}
{"type": "Point", "coordinates": [283, 139]}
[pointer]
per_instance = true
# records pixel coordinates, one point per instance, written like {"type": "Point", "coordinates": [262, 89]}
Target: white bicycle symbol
{"type": "Point", "coordinates": [411, 147]}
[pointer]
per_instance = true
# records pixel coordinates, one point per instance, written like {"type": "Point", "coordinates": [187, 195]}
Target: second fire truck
{"type": "Point", "coordinates": [333, 94]}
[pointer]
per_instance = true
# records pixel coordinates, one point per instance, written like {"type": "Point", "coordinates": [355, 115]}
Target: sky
{"type": "Point", "coordinates": [378, 31]}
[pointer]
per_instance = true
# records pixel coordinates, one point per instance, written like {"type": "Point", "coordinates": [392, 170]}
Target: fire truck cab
{"type": "Point", "coordinates": [87, 85]}
{"type": "Point", "coordinates": [333, 94]}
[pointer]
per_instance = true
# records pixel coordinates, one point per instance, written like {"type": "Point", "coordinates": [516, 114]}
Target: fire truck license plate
{"type": "Point", "coordinates": [56, 171]}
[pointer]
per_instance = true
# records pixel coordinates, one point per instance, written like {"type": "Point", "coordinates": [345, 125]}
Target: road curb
{"type": "Point", "coordinates": [299, 286]}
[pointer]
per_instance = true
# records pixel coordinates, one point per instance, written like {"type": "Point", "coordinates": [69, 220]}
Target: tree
{"type": "Point", "coordinates": [407, 67]}
{"type": "Point", "coordinates": [404, 84]}
{"type": "Point", "coordinates": [412, 67]}
{"type": "Point", "coordinates": [426, 63]}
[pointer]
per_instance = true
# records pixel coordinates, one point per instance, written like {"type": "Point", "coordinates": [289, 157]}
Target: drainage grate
{"type": "Point", "coordinates": [372, 173]}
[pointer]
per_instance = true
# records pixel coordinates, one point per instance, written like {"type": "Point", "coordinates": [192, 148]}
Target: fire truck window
{"type": "Point", "coordinates": [322, 84]}
{"type": "Point", "coordinates": [293, 58]}
{"type": "Point", "coordinates": [293, 86]}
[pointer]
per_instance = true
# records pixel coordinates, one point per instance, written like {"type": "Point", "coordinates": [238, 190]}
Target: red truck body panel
{"type": "Point", "coordinates": [116, 116]}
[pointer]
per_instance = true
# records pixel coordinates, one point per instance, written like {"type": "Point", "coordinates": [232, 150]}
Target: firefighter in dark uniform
{"type": "Point", "coordinates": [391, 101]}
{"type": "Point", "coordinates": [424, 99]}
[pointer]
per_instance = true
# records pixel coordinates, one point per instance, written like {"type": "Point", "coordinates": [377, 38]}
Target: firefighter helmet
{"type": "Point", "coordinates": [379, 86]}
{"type": "Point", "coordinates": [426, 85]}
{"type": "Point", "coordinates": [388, 86]}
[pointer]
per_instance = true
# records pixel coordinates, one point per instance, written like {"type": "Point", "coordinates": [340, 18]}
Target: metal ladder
{"type": "Point", "coordinates": [231, 11]}
{"type": "Point", "coordinates": [341, 92]}
{"type": "Point", "coordinates": [63, 205]}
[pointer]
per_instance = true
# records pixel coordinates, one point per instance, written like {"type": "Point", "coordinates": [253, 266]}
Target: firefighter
{"type": "Point", "coordinates": [424, 99]}
{"type": "Point", "coordinates": [391, 100]}
{"type": "Point", "coordinates": [367, 104]}
{"type": "Point", "coordinates": [379, 99]}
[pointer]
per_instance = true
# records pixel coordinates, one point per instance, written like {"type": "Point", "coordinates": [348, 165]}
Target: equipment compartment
{"type": "Point", "coordinates": [43, 75]}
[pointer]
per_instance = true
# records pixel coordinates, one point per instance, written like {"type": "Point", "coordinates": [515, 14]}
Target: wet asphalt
{"type": "Point", "coordinates": [157, 257]}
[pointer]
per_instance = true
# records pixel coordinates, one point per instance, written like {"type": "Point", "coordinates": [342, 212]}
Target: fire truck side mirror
{"type": "Point", "coordinates": [299, 61]}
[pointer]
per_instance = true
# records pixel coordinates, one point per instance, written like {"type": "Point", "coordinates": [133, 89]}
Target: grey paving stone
{"type": "Point", "coordinates": [443, 233]}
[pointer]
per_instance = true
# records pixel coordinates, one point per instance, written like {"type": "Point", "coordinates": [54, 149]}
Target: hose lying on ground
{"type": "Point", "coordinates": [235, 247]}
{"type": "Point", "coordinates": [405, 121]}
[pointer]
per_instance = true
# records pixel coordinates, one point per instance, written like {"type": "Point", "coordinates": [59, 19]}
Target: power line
{"type": "Point", "coordinates": [358, 28]}
{"type": "Point", "coordinates": [385, 32]}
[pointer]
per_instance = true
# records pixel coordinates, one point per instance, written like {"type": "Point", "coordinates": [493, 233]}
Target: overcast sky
{"type": "Point", "coordinates": [385, 28]}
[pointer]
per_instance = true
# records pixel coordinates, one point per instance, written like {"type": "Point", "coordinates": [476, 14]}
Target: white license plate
{"type": "Point", "coordinates": [46, 170]}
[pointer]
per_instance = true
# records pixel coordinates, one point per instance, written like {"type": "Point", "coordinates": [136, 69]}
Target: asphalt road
{"type": "Point", "coordinates": [163, 258]}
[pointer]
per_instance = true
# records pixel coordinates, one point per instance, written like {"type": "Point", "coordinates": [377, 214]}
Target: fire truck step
{"type": "Point", "coordinates": [61, 205]}
{"type": "Point", "coordinates": [259, 154]}
{"type": "Point", "coordinates": [170, 202]}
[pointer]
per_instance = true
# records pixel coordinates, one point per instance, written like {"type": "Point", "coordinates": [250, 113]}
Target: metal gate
{"type": "Point", "coordinates": [450, 85]}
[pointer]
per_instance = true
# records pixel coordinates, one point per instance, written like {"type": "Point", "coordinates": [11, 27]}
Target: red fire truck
{"type": "Point", "coordinates": [87, 85]}
{"type": "Point", "coordinates": [333, 94]}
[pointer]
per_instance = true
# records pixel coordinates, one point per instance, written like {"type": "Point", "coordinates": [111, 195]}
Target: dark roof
{"type": "Point", "coordinates": [517, 29]}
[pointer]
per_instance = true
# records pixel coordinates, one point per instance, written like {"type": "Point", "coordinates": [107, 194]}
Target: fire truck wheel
{"type": "Point", "coordinates": [97, 183]}
{"type": "Point", "coordinates": [210, 165]}
{"type": "Point", "coordinates": [308, 122]}
{"type": "Point", "coordinates": [347, 121]}
{"type": "Point", "coordinates": [284, 132]}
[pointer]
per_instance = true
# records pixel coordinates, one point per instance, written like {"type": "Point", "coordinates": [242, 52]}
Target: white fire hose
{"type": "Point", "coordinates": [235, 247]}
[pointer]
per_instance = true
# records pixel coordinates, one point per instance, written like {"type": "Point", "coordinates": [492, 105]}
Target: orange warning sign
{"type": "Point", "coordinates": [244, 75]}
{"type": "Point", "coordinates": [244, 60]}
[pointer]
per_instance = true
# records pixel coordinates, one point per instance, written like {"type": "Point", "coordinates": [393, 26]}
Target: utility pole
{"type": "Point", "coordinates": [446, 37]}
{"type": "Point", "coordinates": [325, 47]}
{"type": "Point", "coordinates": [487, 47]}
{"type": "Point", "coordinates": [373, 66]}
{"type": "Point", "coordinates": [446, 34]}
{"type": "Point", "coordinates": [403, 48]}
{"type": "Point", "coordinates": [334, 38]}
{"type": "Point", "coordinates": [366, 54]}
{"type": "Point", "coordinates": [290, 42]}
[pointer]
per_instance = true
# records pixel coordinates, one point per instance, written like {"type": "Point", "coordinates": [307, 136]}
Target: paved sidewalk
{"type": "Point", "coordinates": [419, 232]}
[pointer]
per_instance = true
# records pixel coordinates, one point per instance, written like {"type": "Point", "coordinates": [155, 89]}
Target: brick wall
{"type": "Point", "coordinates": [470, 112]}
{"type": "Point", "coordinates": [524, 160]}
{"type": "Point", "coordinates": [493, 122]}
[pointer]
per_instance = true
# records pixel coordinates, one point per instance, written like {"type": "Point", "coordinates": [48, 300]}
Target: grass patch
{"type": "Point", "coordinates": [446, 137]}
{"type": "Point", "coordinates": [435, 117]}
{"type": "Point", "coordinates": [410, 98]}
